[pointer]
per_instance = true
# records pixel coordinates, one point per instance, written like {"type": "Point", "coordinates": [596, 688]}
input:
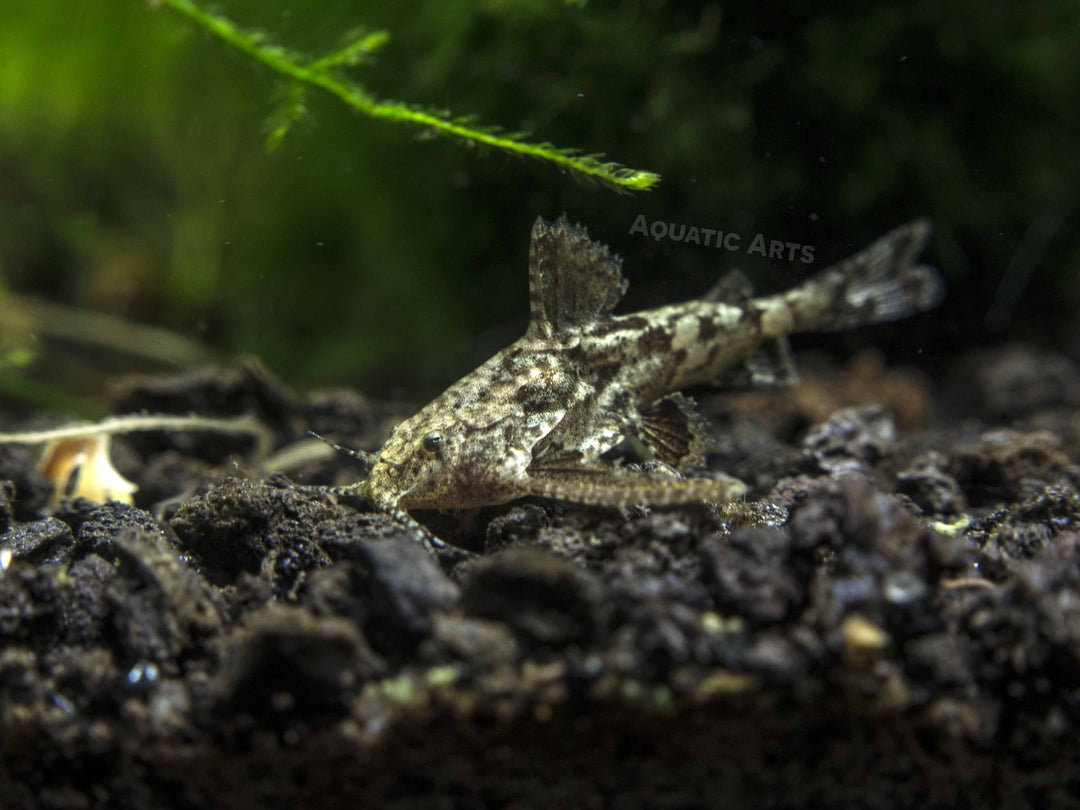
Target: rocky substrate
{"type": "Point", "coordinates": [892, 618]}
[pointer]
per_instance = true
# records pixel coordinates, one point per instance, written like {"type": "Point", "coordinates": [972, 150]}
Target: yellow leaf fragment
{"type": "Point", "coordinates": [80, 466]}
{"type": "Point", "coordinates": [862, 635]}
{"type": "Point", "coordinates": [76, 457]}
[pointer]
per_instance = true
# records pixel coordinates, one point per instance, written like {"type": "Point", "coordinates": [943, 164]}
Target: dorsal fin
{"type": "Point", "coordinates": [573, 281]}
{"type": "Point", "coordinates": [734, 288]}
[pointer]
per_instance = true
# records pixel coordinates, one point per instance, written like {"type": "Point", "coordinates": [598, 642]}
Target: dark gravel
{"type": "Point", "coordinates": [892, 621]}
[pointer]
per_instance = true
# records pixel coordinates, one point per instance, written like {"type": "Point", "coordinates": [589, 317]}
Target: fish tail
{"type": "Point", "coordinates": [881, 283]}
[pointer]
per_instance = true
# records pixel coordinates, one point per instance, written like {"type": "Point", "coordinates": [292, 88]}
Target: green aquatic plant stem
{"type": "Point", "coordinates": [319, 73]}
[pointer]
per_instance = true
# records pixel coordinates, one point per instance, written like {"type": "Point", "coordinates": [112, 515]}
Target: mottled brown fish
{"type": "Point", "coordinates": [539, 416]}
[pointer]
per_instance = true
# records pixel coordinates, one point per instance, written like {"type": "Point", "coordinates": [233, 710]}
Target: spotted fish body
{"type": "Point", "coordinates": [539, 416]}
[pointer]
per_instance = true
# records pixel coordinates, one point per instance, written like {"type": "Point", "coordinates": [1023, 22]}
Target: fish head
{"type": "Point", "coordinates": [441, 459]}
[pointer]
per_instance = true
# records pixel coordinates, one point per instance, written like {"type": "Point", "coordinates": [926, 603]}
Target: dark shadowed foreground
{"type": "Point", "coordinates": [892, 619]}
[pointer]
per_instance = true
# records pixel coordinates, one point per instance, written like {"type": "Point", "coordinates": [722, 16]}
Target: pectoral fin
{"type": "Point", "coordinates": [675, 431]}
{"type": "Point", "coordinates": [604, 485]}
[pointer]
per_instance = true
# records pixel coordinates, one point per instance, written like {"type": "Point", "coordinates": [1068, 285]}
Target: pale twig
{"type": "Point", "coordinates": [246, 424]}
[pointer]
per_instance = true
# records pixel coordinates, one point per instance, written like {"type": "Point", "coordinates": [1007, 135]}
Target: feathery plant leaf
{"type": "Point", "coordinates": [291, 109]}
{"type": "Point", "coordinates": [359, 47]}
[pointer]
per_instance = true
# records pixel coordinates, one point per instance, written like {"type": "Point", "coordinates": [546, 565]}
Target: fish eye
{"type": "Point", "coordinates": [433, 442]}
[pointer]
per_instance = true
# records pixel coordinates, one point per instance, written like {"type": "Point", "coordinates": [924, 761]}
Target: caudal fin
{"type": "Point", "coordinates": [881, 283]}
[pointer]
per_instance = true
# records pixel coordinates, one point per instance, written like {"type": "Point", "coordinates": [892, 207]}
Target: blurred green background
{"type": "Point", "coordinates": [135, 182]}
